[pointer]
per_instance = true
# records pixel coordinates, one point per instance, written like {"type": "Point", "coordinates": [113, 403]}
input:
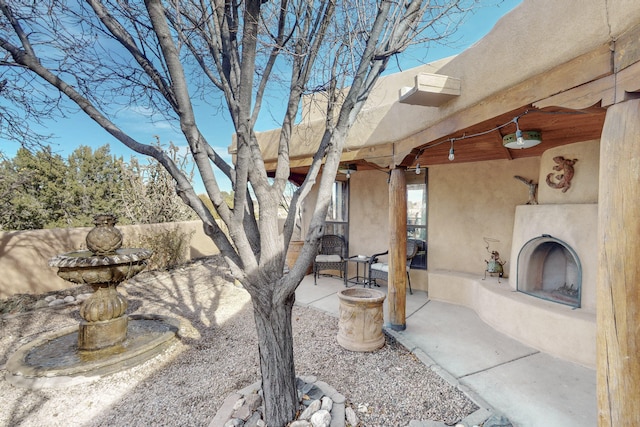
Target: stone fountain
{"type": "Point", "coordinates": [107, 339]}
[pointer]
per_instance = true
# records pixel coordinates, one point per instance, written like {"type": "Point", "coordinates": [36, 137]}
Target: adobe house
{"type": "Point", "coordinates": [566, 77]}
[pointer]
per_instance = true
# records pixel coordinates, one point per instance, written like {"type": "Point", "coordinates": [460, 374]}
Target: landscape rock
{"type": "Point", "coordinates": [312, 409]}
{"type": "Point", "coordinates": [41, 304]}
{"type": "Point", "coordinates": [351, 417]}
{"type": "Point", "coordinates": [327, 403]}
{"type": "Point", "coordinates": [82, 297]}
{"type": "Point", "coordinates": [322, 418]}
{"type": "Point", "coordinates": [497, 421]}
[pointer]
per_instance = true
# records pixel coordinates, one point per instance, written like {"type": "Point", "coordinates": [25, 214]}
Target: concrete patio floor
{"type": "Point", "coordinates": [531, 388]}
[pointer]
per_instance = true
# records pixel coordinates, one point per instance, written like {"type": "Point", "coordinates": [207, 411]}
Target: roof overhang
{"type": "Point", "coordinates": [562, 92]}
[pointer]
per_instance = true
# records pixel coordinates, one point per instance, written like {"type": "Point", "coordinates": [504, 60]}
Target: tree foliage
{"type": "Point", "coordinates": [148, 194]}
{"type": "Point", "coordinates": [93, 183]}
{"type": "Point", "coordinates": [41, 189]}
{"type": "Point", "coordinates": [102, 55]}
{"type": "Point", "coordinates": [34, 192]}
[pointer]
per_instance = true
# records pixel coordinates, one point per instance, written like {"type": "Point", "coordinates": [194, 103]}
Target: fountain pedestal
{"type": "Point", "coordinates": [98, 335]}
{"type": "Point", "coordinates": [105, 322]}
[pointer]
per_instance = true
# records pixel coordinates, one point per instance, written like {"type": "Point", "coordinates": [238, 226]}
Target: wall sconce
{"type": "Point", "coordinates": [522, 139]}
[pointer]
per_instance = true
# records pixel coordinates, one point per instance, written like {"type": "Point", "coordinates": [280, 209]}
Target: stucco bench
{"type": "Point", "coordinates": [557, 329]}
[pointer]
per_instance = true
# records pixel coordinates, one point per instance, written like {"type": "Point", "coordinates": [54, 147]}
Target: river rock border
{"type": "Point", "coordinates": [321, 406]}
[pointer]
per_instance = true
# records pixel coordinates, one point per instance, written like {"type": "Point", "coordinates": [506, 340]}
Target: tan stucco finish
{"type": "Point", "coordinates": [470, 201]}
{"type": "Point", "coordinates": [572, 224]}
{"type": "Point", "coordinates": [24, 255]}
{"type": "Point", "coordinates": [584, 185]}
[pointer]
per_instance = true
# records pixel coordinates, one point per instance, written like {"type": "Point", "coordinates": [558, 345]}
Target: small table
{"type": "Point", "coordinates": [358, 279]}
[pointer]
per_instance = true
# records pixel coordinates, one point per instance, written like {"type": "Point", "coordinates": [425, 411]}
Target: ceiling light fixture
{"type": "Point", "coordinates": [451, 154]}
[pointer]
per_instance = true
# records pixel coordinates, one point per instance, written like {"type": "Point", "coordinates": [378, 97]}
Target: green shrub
{"type": "Point", "coordinates": [170, 247]}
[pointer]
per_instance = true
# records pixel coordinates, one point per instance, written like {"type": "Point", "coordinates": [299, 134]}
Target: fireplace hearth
{"type": "Point", "coordinates": [550, 269]}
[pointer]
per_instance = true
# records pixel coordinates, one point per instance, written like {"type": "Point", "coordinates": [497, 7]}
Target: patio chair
{"type": "Point", "coordinates": [380, 270]}
{"type": "Point", "coordinates": [332, 255]}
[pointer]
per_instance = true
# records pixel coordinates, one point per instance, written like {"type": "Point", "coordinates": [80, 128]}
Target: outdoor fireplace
{"type": "Point", "coordinates": [550, 269]}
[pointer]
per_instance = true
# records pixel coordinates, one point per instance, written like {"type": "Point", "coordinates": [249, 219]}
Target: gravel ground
{"type": "Point", "coordinates": [216, 356]}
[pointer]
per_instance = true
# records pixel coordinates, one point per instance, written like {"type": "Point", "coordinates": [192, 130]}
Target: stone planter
{"type": "Point", "coordinates": [361, 318]}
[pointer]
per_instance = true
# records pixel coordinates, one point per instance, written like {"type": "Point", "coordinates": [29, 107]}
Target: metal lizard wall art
{"type": "Point", "coordinates": [564, 179]}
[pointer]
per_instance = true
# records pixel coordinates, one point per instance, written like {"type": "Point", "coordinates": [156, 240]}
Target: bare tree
{"type": "Point", "coordinates": [102, 55]}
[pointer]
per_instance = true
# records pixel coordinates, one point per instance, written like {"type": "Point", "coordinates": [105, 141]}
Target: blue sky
{"type": "Point", "coordinates": [78, 130]}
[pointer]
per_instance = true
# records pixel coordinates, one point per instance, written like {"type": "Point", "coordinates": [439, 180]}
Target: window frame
{"type": "Point", "coordinates": [420, 261]}
{"type": "Point", "coordinates": [339, 227]}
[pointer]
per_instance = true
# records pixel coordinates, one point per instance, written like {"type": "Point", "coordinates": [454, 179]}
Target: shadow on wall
{"type": "Point", "coordinates": [24, 255]}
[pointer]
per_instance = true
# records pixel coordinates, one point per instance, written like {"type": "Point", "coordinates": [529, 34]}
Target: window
{"type": "Point", "coordinates": [417, 216]}
{"type": "Point", "coordinates": [338, 213]}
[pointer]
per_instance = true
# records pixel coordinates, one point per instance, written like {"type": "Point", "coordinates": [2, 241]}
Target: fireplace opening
{"type": "Point", "coordinates": [550, 269]}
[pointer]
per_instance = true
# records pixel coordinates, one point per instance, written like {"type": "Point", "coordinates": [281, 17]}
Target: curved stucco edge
{"type": "Point", "coordinates": [559, 330]}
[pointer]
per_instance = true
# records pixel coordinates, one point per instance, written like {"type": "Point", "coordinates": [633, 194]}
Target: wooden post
{"type": "Point", "coordinates": [618, 296]}
{"type": "Point", "coordinates": [397, 295]}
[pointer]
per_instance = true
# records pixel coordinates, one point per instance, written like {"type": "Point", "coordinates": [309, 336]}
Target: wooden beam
{"type": "Point", "coordinates": [618, 288]}
{"type": "Point", "coordinates": [378, 154]}
{"type": "Point", "coordinates": [628, 82]}
{"type": "Point", "coordinates": [583, 69]}
{"type": "Point", "coordinates": [627, 49]}
{"type": "Point", "coordinates": [505, 149]}
{"type": "Point", "coordinates": [397, 283]}
{"type": "Point", "coordinates": [584, 96]}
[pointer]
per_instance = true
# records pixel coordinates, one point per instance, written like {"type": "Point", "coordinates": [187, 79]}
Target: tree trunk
{"type": "Point", "coordinates": [275, 341]}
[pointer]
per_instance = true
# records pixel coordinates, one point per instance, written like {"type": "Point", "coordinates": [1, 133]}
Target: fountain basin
{"type": "Point", "coordinates": [54, 360]}
{"type": "Point", "coordinates": [105, 323]}
{"type": "Point", "coordinates": [85, 267]}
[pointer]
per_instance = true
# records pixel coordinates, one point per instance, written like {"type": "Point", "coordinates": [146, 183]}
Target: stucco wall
{"type": "Point", "coordinates": [470, 201]}
{"type": "Point", "coordinates": [24, 255]}
{"type": "Point", "coordinates": [369, 213]}
{"type": "Point", "coordinates": [533, 38]}
{"type": "Point", "coordinates": [467, 202]}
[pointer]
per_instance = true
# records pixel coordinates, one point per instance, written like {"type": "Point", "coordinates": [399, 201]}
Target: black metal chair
{"type": "Point", "coordinates": [332, 255]}
{"type": "Point", "coordinates": [380, 270]}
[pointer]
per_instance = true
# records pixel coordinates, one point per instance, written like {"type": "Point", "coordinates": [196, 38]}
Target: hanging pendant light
{"type": "Point", "coordinates": [521, 139]}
